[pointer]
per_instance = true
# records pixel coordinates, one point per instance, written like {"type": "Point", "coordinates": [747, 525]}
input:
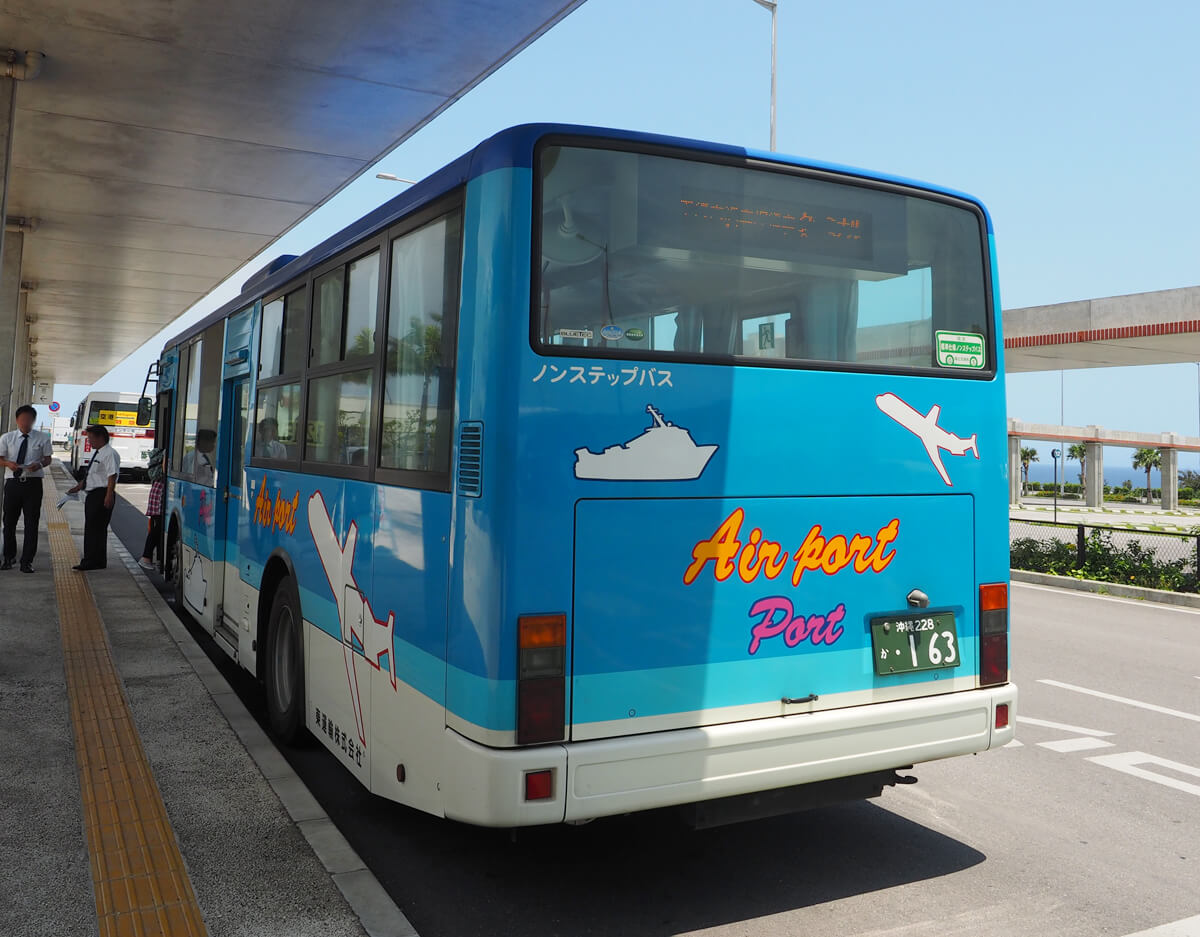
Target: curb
{"type": "Point", "coordinates": [1161, 596]}
{"type": "Point", "coordinates": [376, 911]}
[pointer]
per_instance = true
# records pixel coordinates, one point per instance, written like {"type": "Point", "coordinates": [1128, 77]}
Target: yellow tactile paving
{"type": "Point", "coordinates": [142, 887]}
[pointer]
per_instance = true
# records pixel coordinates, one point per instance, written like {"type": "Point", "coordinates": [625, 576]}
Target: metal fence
{"type": "Point", "coordinates": [1155, 559]}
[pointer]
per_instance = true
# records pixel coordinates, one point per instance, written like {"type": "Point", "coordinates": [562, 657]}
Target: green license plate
{"type": "Point", "coordinates": [910, 642]}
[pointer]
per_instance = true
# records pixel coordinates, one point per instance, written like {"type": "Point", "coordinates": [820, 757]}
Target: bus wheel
{"type": "Point", "coordinates": [176, 553]}
{"type": "Point", "coordinates": [284, 666]}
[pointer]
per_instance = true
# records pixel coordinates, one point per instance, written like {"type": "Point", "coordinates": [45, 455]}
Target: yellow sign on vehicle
{"type": "Point", "coordinates": [117, 418]}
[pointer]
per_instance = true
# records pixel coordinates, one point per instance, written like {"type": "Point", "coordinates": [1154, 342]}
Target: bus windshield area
{"type": "Point", "coordinates": [112, 413]}
{"type": "Point", "coordinates": [656, 256]}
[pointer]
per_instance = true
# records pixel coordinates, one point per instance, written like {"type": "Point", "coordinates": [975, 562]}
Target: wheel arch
{"type": "Point", "coordinates": [278, 567]}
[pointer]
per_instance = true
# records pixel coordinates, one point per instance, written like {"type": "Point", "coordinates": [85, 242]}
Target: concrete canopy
{"type": "Point", "coordinates": [1162, 327]}
{"type": "Point", "coordinates": [164, 145]}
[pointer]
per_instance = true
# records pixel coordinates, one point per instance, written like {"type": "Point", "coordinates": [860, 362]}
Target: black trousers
{"type": "Point", "coordinates": [95, 529]}
{"type": "Point", "coordinates": [22, 499]}
{"type": "Point", "coordinates": [153, 538]}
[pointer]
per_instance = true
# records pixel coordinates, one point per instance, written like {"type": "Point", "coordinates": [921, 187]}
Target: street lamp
{"type": "Point", "coordinates": [1054, 454]}
{"type": "Point", "coordinates": [770, 5]}
{"type": "Point", "coordinates": [391, 177]}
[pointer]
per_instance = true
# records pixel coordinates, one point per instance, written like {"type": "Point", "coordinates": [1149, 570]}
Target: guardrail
{"type": "Point", "coordinates": [1153, 559]}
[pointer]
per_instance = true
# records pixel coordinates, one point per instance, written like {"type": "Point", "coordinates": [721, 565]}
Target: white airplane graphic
{"type": "Point", "coordinates": [926, 428]}
{"type": "Point", "coordinates": [360, 626]}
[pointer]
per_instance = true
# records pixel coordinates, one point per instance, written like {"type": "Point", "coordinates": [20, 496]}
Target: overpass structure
{"type": "Point", "coordinates": [1161, 327]}
{"type": "Point", "coordinates": [1095, 439]}
{"type": "Point", "coordinates": [149, 150]}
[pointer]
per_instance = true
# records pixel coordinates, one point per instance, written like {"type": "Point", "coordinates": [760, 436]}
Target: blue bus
{"type": "Point", "coordinates": [604, 471]}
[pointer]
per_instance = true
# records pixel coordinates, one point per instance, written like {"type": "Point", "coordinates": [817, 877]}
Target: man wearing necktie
{"type": "Point", "coordinates": [24, 454]}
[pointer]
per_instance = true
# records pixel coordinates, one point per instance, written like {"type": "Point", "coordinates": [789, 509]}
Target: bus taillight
{"type": "Point", "coordinates": [541, 678]}
{"type": "Point", "coordinates": [993, 633]}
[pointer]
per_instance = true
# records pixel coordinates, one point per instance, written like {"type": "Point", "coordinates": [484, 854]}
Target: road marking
{"type": "Point", "coordinates": [1015, 743]}
{"type": "Point", "coordinates": [1078, 730]}
{"type": "Point", "coordinates": [1188, 928]}
{"type": "Point", "coordinates": [1127, 762]}
{"type": "Point", "coordinates": [1075, 745]}
{"type": "Point", "coordinates": [1192, 717]}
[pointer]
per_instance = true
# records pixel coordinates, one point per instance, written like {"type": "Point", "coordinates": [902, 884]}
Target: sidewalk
{"type": "Point", "coordinates": [82, 848]}
{"type": "Point", "coordinates": [1116, 514]}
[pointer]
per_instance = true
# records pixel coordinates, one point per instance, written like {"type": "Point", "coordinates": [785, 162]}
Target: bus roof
{"type": "Point", "coordinates": [511, 148]}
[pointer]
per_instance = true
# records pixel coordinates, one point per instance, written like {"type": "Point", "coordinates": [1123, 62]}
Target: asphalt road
{"type": "Point", "coordinates": [1090, 825]}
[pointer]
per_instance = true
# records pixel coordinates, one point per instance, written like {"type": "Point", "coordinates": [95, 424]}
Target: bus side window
{"type": "Point", "coordinates": [419, 377]}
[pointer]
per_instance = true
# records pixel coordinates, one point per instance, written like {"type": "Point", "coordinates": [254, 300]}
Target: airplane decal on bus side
{"type": "Point", "coordinates": [361, 630]}
{"type": "Point", "coordinates": [925, 428]}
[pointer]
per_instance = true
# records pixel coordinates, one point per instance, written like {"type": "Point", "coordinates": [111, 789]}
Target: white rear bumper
{"type": "Point", "coordinates": [622, 775]}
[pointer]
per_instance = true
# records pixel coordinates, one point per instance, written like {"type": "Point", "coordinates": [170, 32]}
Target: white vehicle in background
{"type": "Point", "coordinates": [117, 412]}
{"type": "Point", "coordinates": [60, 432]}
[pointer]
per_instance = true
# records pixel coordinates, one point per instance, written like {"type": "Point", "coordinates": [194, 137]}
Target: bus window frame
{"type": "Point", "coordinates": [370, 362]}
{"type": "Point", "coordinates": [376, 362]}
{"type": "Point", "coordinates": [428, 214]}
{"type": "Point", "coordinates": [584, 141]}
{"type": "Point", "coordinates": [280, 380]}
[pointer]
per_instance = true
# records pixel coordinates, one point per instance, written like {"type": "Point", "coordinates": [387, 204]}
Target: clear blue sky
{"type": "Point", "coordinates": [1074, 122]}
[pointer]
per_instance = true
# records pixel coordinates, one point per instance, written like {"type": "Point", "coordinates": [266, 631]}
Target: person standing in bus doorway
{"type": "Point", "coordinates": [100, 483]}
{"type": "Point", "coordinates": [24, 453]}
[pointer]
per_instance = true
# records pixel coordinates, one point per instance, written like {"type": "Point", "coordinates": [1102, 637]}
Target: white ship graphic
{"type": "Point", "coordinates": [664, 452]}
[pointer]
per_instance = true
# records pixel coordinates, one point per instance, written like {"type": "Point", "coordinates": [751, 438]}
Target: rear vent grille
{"type": "Point", "coordinates": [470, 459]}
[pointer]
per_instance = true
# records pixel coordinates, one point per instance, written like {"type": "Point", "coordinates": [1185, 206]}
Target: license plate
{"type": "Point", "coordinates": [911, 642]}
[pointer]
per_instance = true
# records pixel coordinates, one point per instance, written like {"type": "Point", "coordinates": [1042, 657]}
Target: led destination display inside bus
{"type": "Point", "coordinates": [774, 228]}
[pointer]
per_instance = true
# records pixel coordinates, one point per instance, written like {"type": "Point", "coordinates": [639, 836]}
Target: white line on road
{"type": "Point", "coordinates": [1188, 928]}
{"type": "Point", "coordinates": [1062, 726]}
{"type": "Point", "coordinates": [1192, 717]}
{"type": "Point", "coordinates": [1127, 762]}
{"type": "Point", "coordinates": [1075, 745]}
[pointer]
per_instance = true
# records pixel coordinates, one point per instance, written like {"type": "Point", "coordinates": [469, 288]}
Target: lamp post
{"type": "Point", "coordinates": [770, 5]}
{"type": "Point", "coordinates": [392, 177]}
{"type": "Point", "coordinates": [1054, 454]}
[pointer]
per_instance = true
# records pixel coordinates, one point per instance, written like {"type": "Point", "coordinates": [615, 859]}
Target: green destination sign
{"type": "Point", "coordinates": [960, 350]}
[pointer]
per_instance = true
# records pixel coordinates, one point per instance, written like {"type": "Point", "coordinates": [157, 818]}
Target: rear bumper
{"type": "Point", "coordinates": [623, 775]}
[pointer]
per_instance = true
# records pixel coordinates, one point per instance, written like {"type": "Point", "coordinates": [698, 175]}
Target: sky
{"type": "Point", "coordinates": [1074, 122]}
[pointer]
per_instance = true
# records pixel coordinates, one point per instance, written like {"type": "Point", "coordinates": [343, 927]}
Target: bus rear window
{"type": "Point", "coordinates": [644, 255]}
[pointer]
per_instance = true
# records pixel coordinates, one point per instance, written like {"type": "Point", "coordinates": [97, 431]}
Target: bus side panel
{"type": "Point", "coordinates": [195, 505]}
{"type": "Point", "coordinates": [493, 330]}
{"type": "Point", "coordinates": [370, 565]}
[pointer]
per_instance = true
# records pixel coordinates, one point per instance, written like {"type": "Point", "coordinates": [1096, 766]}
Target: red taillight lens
{"type": "Point", "coordinates": [539, 785]}
{"type": "Point", "coordinates": [1002, 716]}
{"type": "Point", "coordinates": [541, 678]}
{"type": "Point", "coordinates": [541, 710]}
{"type": "Point", "coordinates": [993, 633]}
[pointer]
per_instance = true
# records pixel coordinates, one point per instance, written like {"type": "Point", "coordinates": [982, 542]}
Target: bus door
{"type": "Point", "coordinates": [230, 510]}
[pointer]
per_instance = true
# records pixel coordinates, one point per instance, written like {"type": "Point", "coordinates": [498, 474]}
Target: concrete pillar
{"type": "Point", "coordinates": [1170, 479]}
{"type": "Point", "coordinates": [1093, 474]}
{"type": "Point", "coordinates": [10, 320]}
{"type": "Point", "coordinates": [1014, 469]}
{"type": "Point", "coordinates": [10, 275]}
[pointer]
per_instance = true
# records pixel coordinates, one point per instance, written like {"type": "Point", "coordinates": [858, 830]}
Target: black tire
{"type": "Point", "coordinates": [176, 560]}
{"type": "Point", "coordinates": [283, 668]}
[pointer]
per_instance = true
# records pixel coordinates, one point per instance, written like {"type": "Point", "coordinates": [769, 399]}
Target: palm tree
{"type": "Point", "coordinates": [1078, 452]}
{"type": "Point", "coordinates": [1147, 459]}
{"type": "Point", "coordinates": [1028, 454]}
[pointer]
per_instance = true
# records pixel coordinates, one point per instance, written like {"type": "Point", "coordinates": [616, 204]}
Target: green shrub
{"type": "Point", "coordinates": [1130, 564]}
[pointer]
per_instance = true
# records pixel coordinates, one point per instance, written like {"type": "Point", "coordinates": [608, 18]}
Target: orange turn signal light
{"type": "Point", "coordinates": [541, 631]}
{"type": "Point", "coordinates": [993, 596]}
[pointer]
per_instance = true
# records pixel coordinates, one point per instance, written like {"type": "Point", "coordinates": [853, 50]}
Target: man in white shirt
{"type": "Point", "coordinates": [24, 455]}
{"type": "Point", "coordinates": [100, 483]}
{"type": "Point", "coordinates": [198, 462]}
